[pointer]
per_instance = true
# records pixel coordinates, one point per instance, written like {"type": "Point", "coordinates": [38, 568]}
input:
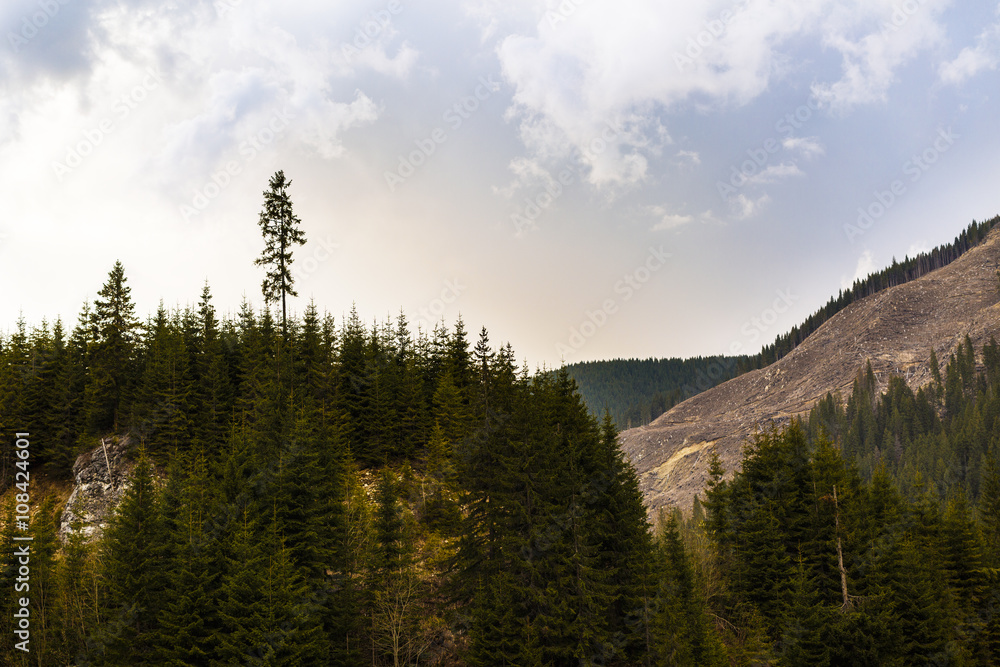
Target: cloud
{"type": "Point", "coordinates": [775, 173]}
{"type": "Point", "coordinates": [891, 34]}
{"type": "Point", "coordinates": [596, 64]}
{"type": "Point", "coordinates": [689, 157]}
{"type": "Point", "coordinates": [972, 60]}
{"type": "Point", "coordinates": [528, 173]}
{"type": "Point", "coordinates": [808, 146]}
{"type": "Point", "coordinates": [666, 220]}
{"type": "Point", "coordinates": [747, 207]}
{"type": "Point", "coordinates": [865, 267]}
{"type": "Point", "coordinates": [51, 42]}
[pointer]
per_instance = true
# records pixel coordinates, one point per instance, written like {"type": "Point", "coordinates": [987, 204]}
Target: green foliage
{"type": "Point", "coordinates": [280, 227]}
{"type": "Point", "coordinates": [636, 391]}
{"type": "Point", "coordinates": [798, 522]}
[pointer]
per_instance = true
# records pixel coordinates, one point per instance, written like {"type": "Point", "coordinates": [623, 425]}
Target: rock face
{"type": "Point", "coordinates": [97, 489]}
{"type": "Point", "coordinates": [894, 329]}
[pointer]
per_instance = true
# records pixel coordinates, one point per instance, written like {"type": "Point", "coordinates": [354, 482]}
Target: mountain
{"type": "Point", "coordinates": [895, 329]}
{"type": "Point", "coordinates": [637, 391]}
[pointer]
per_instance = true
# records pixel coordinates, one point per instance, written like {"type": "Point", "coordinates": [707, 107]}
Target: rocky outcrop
{"type": "Point", "coordinates": [894, 329]}
{"type": "Point", "coordinates": [101, 477]}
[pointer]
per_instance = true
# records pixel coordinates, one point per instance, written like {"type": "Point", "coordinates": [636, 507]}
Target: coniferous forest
{"type": "Point", "coordinates": [344, 495]}
{"type": "Point", "coordinates": [338, 494]}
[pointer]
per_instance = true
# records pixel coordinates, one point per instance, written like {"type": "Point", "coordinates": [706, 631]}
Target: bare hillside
{"type": "Point", "coordinates": [895, 329]}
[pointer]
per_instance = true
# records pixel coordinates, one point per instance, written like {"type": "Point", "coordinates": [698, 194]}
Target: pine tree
{"type": "Point", "coordinates": [280, 228]}
{"type": "Point", "coordinates": [395, 589]}
{"type": "Point", "coordinates": [132, 558]}
{"type": "Point", "coordinates": [243, 605]}
{"type": "Point", "coordinates": [111, 363]}
{"type": "Point", "coordinates": [804, 623]}
{"type": "Point", "coordinates": [188, 621]}
{"type": "Point", "coordinates": [44, 631]}
{"type": "Point", "coordinates": [213, 381]}
{"type": "Point", "coordinates": [680, 633]}
{"type": "Point", "coordinates": [77, 602]}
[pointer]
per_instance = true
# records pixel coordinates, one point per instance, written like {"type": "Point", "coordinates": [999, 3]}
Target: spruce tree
{"type": "Point", "coordinates": [133, 568]}
{"type": "Point", "coordinates": [111, 363]}
{"type": "Point", "coordinates": [280, 228]}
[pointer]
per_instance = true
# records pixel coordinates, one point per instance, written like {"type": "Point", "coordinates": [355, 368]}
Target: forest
{"type": "Point", "coordinates": [637, 391]}
{"type": "Point", "coordinates": [331, 494]}
{"type": "Point", "coordinates": [349, 495]}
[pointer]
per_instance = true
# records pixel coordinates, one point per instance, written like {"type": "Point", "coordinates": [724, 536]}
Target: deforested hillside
{"type": "Point", "coordinates": [894, 329]}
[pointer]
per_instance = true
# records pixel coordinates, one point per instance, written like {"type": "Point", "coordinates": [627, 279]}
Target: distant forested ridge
{"type": "Point", "coordinates": [637, 391]}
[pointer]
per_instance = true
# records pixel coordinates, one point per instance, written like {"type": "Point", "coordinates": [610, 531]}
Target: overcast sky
{"type": "Point", "coordinates": [587, 179]}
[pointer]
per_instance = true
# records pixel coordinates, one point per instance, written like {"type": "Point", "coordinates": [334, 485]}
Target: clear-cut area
{"type": "Point", "coordinates": [895, 329]}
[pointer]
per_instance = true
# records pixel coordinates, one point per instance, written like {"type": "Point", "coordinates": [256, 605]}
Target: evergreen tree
{"type": "Point", "coordinates": [188, 622]}
{"type": "Point", "coordinates": [111, 362]}
{"type": "Point", "coordinates": [133, 569]}
{"type": "Point", "coordinates": [280, 228]}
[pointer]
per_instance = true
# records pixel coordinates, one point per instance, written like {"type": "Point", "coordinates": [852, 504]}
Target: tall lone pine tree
{"type": "Point", "coordinates": [280, 227]}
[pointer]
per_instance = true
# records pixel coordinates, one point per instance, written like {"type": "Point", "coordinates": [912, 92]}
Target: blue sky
{"type": "Point", "coordinates": [586, 179]}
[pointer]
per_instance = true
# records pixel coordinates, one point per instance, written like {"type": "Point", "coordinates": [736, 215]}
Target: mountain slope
{"type": "Point", "coordinates": [894, 329]}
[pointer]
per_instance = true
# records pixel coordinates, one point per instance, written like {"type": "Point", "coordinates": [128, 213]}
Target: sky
{"type": "Point", "coordinates": [586, 179]}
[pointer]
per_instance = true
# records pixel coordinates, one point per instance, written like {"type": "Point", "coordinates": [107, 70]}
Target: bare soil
{"type": "Point", "coordinates": [894, 329]}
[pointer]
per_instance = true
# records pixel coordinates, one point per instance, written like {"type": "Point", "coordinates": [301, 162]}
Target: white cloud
{"type": "Point", "coordinates": [747, 207]}
{"type": "Point", "coordinates": [874, 40]}
{"type": "Point", "coordinates": [972, 60]}
{"type": "Point", "coordinates": [691, 158]}
{"type": "Point", "coordinates": [865, 267]}
{"type": "Point", "coordinates": [528, 173]}
{"type": "Point", "coordinates": [223, 78]}
{"type": "Point", "coordinates": [808, 146]}
{"type": "Point", "coordinates": [775, 173]}
{"type": "Point", "coordinates": [666, 220]}
{"type": "Point", "coordinates": [633, 62]}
